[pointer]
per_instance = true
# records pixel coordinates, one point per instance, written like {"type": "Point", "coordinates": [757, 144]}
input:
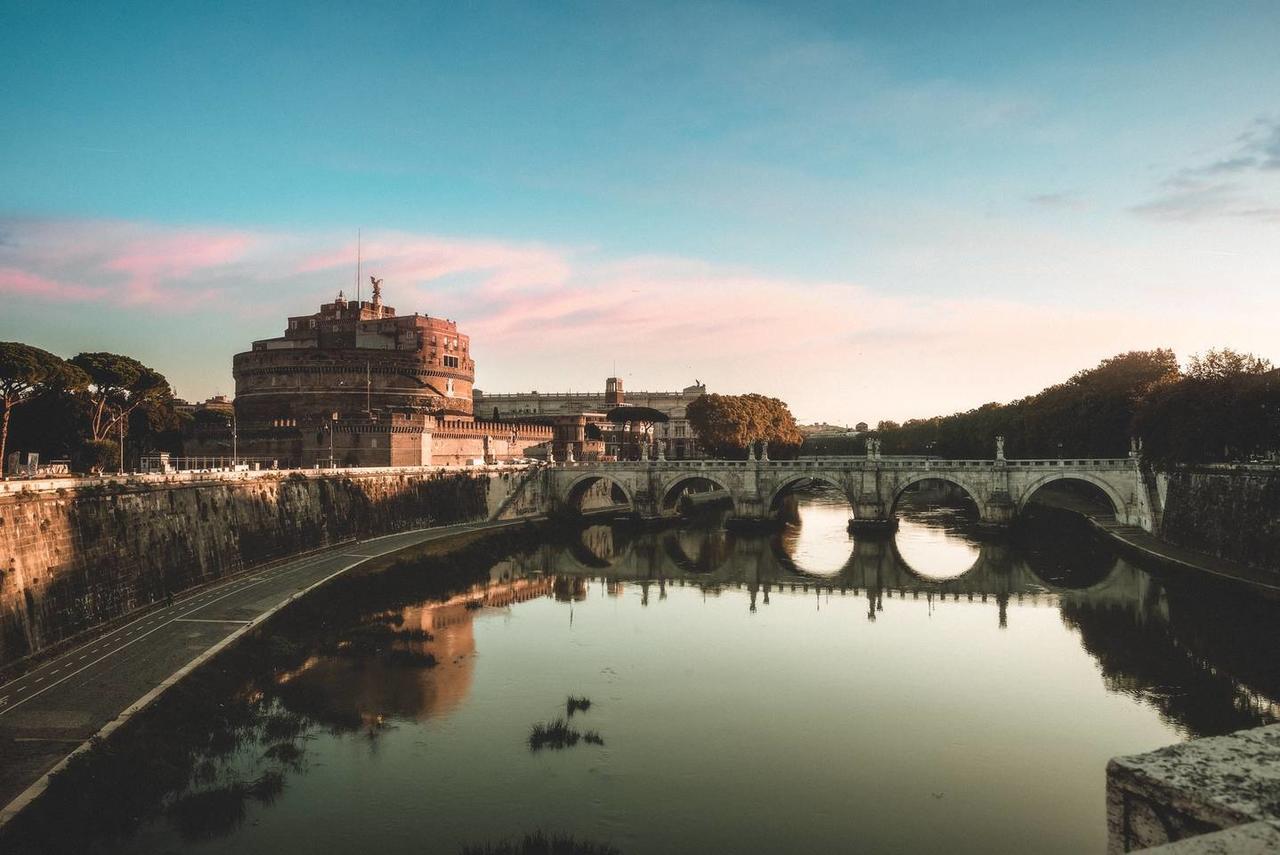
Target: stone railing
{"type": "Point", "coordinates": [862, 463]}
{"type": "Point", "coordinates": [18, 486]}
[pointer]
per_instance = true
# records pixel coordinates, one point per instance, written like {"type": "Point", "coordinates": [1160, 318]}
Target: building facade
{"type": "Point", "coordinates": [557, 407]}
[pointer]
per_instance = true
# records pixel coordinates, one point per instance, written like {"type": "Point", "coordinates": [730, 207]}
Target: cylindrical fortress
{"type": "Point", "coordinates": [352, 360]}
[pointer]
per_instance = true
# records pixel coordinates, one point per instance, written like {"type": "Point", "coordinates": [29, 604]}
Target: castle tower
{"type": "Point", "coordinates": [613, 392]}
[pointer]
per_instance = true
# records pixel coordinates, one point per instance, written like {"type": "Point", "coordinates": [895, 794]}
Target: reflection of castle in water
{"type": "Point", "coordinates": [373, 688]}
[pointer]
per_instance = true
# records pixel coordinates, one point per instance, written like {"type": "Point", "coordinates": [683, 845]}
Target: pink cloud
{"type": "Point", "coordinates": [417, 260]}
{"type": "Point", "coordinates": [26, 284]}
{"type": "Point", "coordinates": [151, 263]}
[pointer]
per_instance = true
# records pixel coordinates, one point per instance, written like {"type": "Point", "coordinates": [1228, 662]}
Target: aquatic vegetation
{"type": "Point", "coordinates": [557, 734]}
{"type": "Point", "coordinates": [539, 843]}
{"type": "Point", "coordinates": [284, 752]}
{"type": "Point", "coordinates": [576, 704]}
{"type": "Point", "coordinates": [282, 726]}
{"type": "Point", "coordinates": [207, 814]}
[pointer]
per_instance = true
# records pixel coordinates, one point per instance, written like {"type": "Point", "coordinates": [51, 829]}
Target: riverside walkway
{"type": "Point", "coordinates": [1147, 546]}
{"type": "Point", "coordinates": [51, 711]}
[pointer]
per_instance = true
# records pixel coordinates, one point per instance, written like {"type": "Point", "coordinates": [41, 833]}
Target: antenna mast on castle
{"type": "Point", "coordinates": [357, 272]}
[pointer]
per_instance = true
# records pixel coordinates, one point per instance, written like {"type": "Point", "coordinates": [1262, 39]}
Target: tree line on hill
{"type": "Point", "coordinates": [1224, 407]}
{"type": "Point", "coordinates": [102, 411]}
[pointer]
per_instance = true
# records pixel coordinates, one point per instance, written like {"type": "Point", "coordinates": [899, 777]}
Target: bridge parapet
{"type": "Point", "coordinates": [857, 463]}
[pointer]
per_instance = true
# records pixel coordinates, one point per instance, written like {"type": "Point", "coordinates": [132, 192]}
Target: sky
{"type": "Point", "coordinates": [870, 210]}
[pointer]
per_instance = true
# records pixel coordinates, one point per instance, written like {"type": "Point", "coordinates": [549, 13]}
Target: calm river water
{"type": "Point", "coordinates": [803, 691]}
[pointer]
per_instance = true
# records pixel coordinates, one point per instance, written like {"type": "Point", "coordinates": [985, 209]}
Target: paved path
{"type": "Point", "coordinates": [1143, 542]}
{"type": "Point", "coordinates": [52, 710]}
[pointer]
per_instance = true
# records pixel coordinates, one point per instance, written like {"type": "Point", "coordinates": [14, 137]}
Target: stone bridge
{"type": "Point", "coordinates": [873, 485]}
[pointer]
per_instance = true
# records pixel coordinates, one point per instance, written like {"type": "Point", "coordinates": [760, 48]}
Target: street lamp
{"type": "Point", "coordinates": [333, 421]}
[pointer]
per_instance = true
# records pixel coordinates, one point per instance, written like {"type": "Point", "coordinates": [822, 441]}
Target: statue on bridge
{"type": "Point", "coordinates": [999, 448]}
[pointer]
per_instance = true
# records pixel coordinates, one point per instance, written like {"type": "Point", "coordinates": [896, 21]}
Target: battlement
{"type": "Point", "coordinates": [524, 431]}
{"type": "Point", "coordinates": [499, 397]}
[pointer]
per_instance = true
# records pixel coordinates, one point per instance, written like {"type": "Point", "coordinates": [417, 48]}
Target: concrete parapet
{"type": "Point", "coordinates": [1194, 788]}
{"type": "Point", "coordinates": [1254, 838]}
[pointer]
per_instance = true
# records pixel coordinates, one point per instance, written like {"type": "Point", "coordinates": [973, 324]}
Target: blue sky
{"type": "Point", "coordinates": [870, 210]}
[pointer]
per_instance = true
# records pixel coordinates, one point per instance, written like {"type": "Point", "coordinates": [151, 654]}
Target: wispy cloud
{"type": "Point", "coordinates": [30, 285]}
{"type": "Point", "coordinates": [1243, 181]}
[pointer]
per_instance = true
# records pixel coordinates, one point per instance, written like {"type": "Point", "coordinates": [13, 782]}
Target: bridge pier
{"type": "Point", "coordinates": [998, 511]}
{"type": "Point", "coordinates": [870, 515]}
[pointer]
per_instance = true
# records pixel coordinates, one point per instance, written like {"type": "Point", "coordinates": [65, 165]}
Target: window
{"type": "Point", "coordinates": [451, 362]}
{"type": "Point", "coordinates": [680, 430]}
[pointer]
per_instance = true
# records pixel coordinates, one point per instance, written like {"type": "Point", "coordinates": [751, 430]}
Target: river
{"type": "Point", "coordinates": [805, 690]}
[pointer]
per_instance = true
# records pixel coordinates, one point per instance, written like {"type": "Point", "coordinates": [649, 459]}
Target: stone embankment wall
{"type": "Point", "coordinates": [73, 556]}
{"type": "Point", "coordinates": [1230, 512]}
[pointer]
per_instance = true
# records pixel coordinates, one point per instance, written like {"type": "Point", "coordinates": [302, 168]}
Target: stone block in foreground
{"type": "Point", "coordinates": [1194, 788]}
{"type": "Point", "coordinates": [1253, 838]}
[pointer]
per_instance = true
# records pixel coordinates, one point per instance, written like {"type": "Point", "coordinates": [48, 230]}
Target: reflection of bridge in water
{"type": "Point", "coordinates": [720, 558]}
{"type": "Point", "coordinates": [1152, 637]}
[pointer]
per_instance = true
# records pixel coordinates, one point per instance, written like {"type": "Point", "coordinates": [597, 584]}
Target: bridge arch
{"type": "Point", "coordinates": [574, 492]}
{"type": "Point", "coordinates": [598, 548]}
{"type": "Point", "coordinates": [788, 485]}
{"type": "Point", "coordinates": [903, 561]}
{"type": "Point", "coordinates": [670, 495]}
{"type": "Point", "coordinates": [970, 490]}
{"type": "Point", "coordinates": [938, 555]}
{"type": "Point", "coordinates": [1118, 504]}
{"type": "Point", "coordinates": [711, 548]}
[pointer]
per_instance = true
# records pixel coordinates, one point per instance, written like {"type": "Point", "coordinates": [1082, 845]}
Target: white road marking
{"type": "Point", "coordinates": [123, 646]}
{"type": "Point", "coordinates": [207, 620]}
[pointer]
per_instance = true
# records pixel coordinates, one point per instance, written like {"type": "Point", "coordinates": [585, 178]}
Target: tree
{"type": "Point", "coordinates": [636, 421]}
{"type": "Point", "coordinates": [727, 424]}
{"type": "Point", "coordinates": [1225, 408]}
{"type": "Point", "coordinates": [118, 385]}
{"type": "Point", "coordinates": [1226, 363]}
{"type": "Point", "coordinates": [26, 370]}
